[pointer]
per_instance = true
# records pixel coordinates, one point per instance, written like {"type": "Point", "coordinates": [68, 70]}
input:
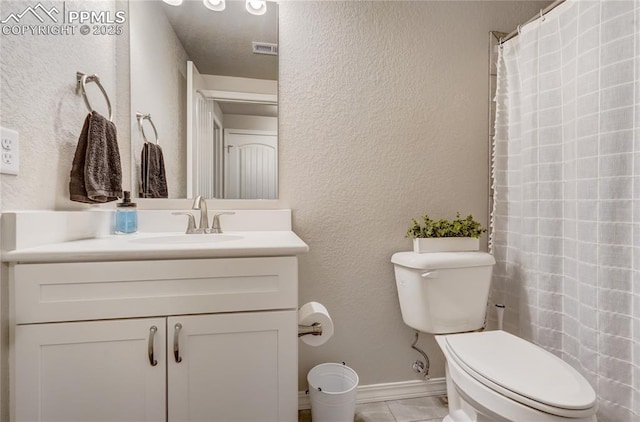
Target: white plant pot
{"type": "Point", "coordinates": [446, 244]}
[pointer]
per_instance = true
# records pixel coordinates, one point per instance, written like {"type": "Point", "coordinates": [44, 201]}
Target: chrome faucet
{"type": "Point", "coordinates": [200, 203]}
{"type": "Point", "coordinates": [215, 227]}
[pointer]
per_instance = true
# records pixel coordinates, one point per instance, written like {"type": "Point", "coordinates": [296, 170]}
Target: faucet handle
{"type": "Point", "coordinates": [191, 225]}
{"type": "Point", "coordinates": [215, 227]}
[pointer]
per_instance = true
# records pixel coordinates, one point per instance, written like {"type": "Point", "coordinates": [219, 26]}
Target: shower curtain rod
{"type": "Point", "coordinates": [543, 12]}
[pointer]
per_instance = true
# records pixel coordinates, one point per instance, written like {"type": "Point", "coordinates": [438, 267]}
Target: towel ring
{"type": "Point", "coordinates": [140, 117]}
{"type": "Point", "coordinates": [82, 83]}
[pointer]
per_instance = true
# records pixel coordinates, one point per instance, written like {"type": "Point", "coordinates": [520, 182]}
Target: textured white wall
{"type": "Point", "coordinates": [383, 117]}
{"type": "Point", "coordinates": [38, 99]}
{"type": "Point", "coordinates": [158, 87]}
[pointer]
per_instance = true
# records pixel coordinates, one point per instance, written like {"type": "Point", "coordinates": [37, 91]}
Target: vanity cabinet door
{"type": "Point", "coordinates": [91, 371]}
{"type": "Point", "coordinates": [233, 367]}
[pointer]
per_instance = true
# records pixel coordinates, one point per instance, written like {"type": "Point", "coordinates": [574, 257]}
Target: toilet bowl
{"type": "Point", "coordinates": [491, 375]}
{"type": "Point", "coordinates": [496, 376]}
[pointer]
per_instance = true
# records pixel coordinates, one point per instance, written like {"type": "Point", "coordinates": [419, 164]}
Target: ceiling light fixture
{"type": "Point", "coordinates": [256, 7]}
{"type": "Point", "coordinates": [215, 5]}
{"type": "Point", "coordinates": [173, 2]}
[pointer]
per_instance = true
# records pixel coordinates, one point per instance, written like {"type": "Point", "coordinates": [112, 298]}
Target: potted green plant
{"type": "Point", "coordinates": [461, 234]}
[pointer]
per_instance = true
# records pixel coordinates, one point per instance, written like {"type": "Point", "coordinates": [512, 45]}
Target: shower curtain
{"type": "Point", "coordinates": [566, 177]}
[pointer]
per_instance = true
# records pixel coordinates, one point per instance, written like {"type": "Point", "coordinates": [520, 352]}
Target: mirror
{"type": "Point", "coordinates": [206, 83]}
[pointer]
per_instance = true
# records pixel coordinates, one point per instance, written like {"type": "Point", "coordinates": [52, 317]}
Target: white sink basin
{"type": "Point", "coordinates": [186, 239]}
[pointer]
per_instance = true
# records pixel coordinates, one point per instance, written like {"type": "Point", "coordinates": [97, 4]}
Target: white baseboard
{"type": "Point", "coordinates": [390, 391]}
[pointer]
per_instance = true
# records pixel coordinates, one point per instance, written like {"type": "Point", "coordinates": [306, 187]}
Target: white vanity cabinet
{"type": "Point", "coordinates": [234, 367]}
{"type": "Point", "coordinates": [176, 340]}
{"type": "Point", "coordinates": [89, 371]}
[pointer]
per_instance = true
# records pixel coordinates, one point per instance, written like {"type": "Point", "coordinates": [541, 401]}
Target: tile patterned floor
{"type": "Point", "coordinates": [422, 409]}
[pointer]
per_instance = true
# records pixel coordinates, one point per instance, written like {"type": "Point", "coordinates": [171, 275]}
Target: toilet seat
{"type": "Point", "coordinates": [522, 372]}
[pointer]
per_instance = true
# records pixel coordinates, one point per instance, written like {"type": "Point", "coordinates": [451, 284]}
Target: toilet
{"type": "Point", "coordinates": [491, 375]}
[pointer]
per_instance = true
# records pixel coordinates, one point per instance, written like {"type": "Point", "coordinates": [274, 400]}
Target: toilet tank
{"type": "Point", "coordinates": [444, 292]}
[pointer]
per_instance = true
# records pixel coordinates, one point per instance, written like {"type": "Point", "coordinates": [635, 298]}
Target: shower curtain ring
{"type": "Point", "coordinates": [519, 28]}
{"type": "Point", "coordinates": [542, 16]}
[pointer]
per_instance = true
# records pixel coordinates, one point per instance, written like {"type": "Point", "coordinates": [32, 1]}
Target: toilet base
{"type": "Point", "coordinates": [461, 409]}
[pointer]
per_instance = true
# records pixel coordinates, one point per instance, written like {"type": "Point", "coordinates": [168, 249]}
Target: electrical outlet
{"type": "Point", "coordinates": [9, 151]}
{"type": "Point", "coordinates": [7, 144]}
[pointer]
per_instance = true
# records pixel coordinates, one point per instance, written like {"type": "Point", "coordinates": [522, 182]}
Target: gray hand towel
{"type": "Point", "coordinates": [153, 176]}
{"type": "Point", "coordinates": [96, 173]}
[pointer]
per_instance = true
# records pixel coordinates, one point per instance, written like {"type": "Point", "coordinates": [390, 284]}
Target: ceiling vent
{"type": "Point", "coordinates": [265, 48]}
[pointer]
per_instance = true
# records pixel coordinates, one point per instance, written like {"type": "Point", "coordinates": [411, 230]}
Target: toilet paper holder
{"type": "Point", "coordinates": [314, 329]}
{"type": "Point", "coordinates": [315, 326]}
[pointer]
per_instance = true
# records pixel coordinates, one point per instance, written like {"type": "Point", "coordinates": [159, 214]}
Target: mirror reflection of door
{"type": "Point", "coordinates": [250, 163]}
{"type": "Point", "coordinates": [232, 139]}
{"type": "Point", "coordinates": [218, 191]}
{"type": "Point", "coordinates": [207, 156]}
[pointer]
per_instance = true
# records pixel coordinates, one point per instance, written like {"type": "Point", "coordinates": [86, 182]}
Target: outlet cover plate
{"type": "Point", "coordinates": [9, 151]}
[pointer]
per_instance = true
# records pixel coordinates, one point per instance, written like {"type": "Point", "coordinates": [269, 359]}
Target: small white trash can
{"type": "Point", "coordinates": [332, 389]}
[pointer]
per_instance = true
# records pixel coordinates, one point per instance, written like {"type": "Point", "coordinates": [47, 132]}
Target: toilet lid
{"type": "Point", "coordinates": [526, 372]}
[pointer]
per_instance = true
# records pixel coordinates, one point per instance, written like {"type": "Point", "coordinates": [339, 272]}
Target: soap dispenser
{"type": "Point", "coordinates": [126, 215]}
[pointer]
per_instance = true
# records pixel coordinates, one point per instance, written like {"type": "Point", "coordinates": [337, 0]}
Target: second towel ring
{"type": "Point", "coordinates": [140, 117]}
{"type": "Point", "coordinates": [82, 84]}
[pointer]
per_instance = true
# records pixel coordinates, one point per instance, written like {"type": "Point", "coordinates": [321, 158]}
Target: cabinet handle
{"type": "Point", "coordinates": [152, 334]}
{"type": "Point", "coordinates": [176, 343]}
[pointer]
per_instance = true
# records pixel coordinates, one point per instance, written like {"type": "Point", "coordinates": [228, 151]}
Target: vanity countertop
{"type": "Point", "coordinates": [148, 246]}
